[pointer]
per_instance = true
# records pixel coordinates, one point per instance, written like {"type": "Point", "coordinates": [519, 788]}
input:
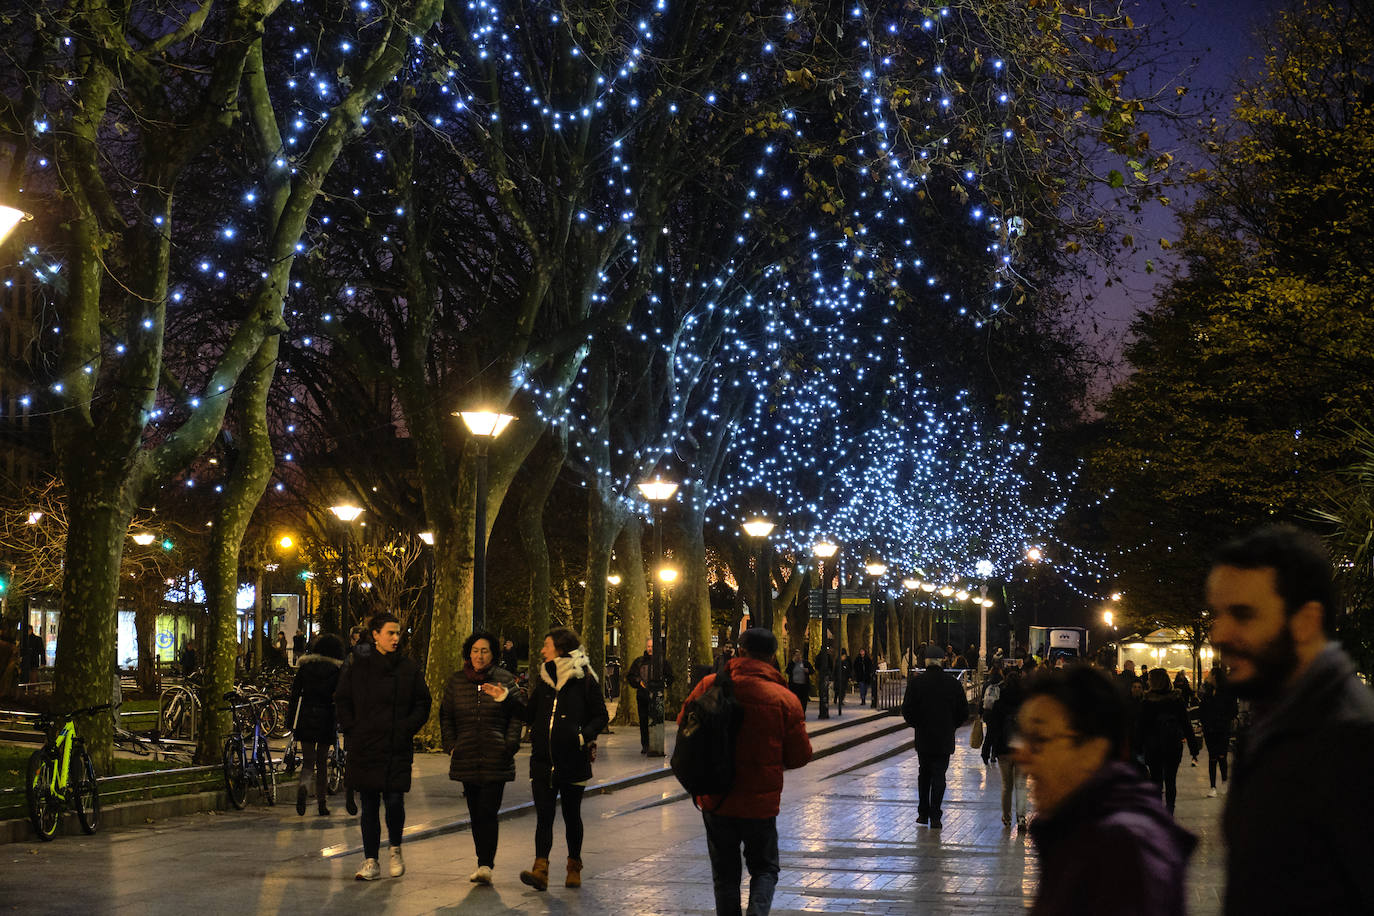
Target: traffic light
{"type": "Point", "coordinates": [167, 544]}
{"type": "Point", "coordinates": [4, 580]}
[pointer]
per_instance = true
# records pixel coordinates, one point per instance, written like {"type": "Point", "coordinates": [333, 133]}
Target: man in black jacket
{"type": "Point", "coordinates": [1296, 819]}
{"type": "Point", "coordinates": [639, 677]}
{"type": "Point", "coordinates": [935, 706]}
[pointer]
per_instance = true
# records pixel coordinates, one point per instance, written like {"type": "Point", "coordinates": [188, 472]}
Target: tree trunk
{"type": "Point", "coordinates": [249, 473]}
{"type": "Point", "coordinates": [604, 521]}
{"type": "Point", "coordinates": [634, 612]}
{"type": "Point", "coordinates": [145, 631]}
{"type": "Point", "coordinates": [530, 520]}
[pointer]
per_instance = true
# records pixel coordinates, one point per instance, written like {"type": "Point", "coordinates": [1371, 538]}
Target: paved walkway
{"type": "Point", "coordinates": [849, 844]}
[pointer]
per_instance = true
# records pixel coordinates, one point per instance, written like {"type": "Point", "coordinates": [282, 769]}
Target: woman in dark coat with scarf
{"type": "Point", "coordinates": [480, 717]}
{"type": "Point", "coordinates": [566, 711]}
{"type": "Point", "coordinates": [382, 702]}
{"type": "Point", "coordinates": [311, 714]}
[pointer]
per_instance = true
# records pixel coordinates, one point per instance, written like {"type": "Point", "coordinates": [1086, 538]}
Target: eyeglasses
{"type": "Point", "coordinates": [1036, 743]}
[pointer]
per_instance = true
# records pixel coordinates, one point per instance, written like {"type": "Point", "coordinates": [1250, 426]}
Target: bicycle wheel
{"type": "Point", "coordinates": [86, 793]}
{"type": "Point", "coordinates": [268, 717]}
{"type": "Point", "coordinates": [336, 769]}
{"type": "Point", "coordinates": [280, 726]}
{"type": "Point", "coordinates": [44, 807]}
{"type": "Point", "coordinates": [175, 715]}
{"type": "Point", "coordinates": [235, 772]}
{"type": "Point", "coordinates": [267, 773]}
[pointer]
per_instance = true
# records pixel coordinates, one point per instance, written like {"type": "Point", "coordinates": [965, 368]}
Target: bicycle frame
{"type": "Point", "coordinates": [62, 748]}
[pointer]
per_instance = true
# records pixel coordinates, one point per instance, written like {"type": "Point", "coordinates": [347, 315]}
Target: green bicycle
{"type": "Point", "coordinates": [53, 786]}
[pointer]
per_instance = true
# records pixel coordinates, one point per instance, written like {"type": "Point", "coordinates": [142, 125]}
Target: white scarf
{"type": "Point", "coordinates": [567, 667]}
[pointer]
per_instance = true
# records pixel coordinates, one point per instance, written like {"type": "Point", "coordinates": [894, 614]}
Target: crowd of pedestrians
{"type": "Point", "coordinates": [1101, 754]}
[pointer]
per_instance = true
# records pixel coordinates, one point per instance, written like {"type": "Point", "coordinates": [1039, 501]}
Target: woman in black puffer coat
{"type": "Point", "coordinates": [311, 714]}
{"type": "Point", "coordinates": [382, 702]}
{"type": "Point", "coordinates": [1163, 728]}
{"type": "Point", "coordinates": [566, 712]}
{"type": "Point", "coordinates": [480, 717]}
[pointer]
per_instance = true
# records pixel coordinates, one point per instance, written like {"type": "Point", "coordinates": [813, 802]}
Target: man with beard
{"type": "Point", "coordinates": [1296, 820]}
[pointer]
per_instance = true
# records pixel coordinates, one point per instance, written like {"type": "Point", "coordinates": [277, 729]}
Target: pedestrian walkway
{"type": "Point", "coordinates": [848, 838]}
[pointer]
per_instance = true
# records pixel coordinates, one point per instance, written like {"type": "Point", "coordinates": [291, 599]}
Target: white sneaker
{"type": "Point", "coordinates": [370, 871]}
{"type": "Point", "coordinates": [1212, 792]}
{"type": "Point", "coordinates": [398, 864]}
{"type": "Point", "coordinates": [481, 876]}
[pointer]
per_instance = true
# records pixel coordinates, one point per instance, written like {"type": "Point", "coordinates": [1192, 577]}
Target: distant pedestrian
{"type": "Point", "coordinates": [772, 738]}
{"type": "Point", "coordinates": [1163, 728]}
{"type": "Point", "coordinates": [298, 646]}
{"type": "Point", "coordinates": [186, 658]}
{"type": "Point", "coordinates": [640, 677]}
{"type": "Point", "coordinates": [799, 678]}
{"type": "Point", "coordinates": [510, 659]}
{"type": "Point", "coordinates": [566, 712]}
{"type": "Point", "coordinates": [480, 718]}
{"type": "Point", "coordinates": [1106, 844]}
{"type": "Point", "coordinates": [935, 706]}
{"type": "Point", "coordinates": [992, 693]}
{"type": "Point", "coordinates": [723, 659]}
{"type": "Point", "coordinates": [1002, 719]}
{"type": "Point", "coordinates": [382, 703]}
{"type": "Point", "coordinates": [31, 654]}
{"type": "Point", "coordinates": [1296, 821]}
{"type": "Point", "coordinates": [1217, 710]}
{"type": "Point", "coordinates": [312, 719]}
{"type": "Point", "coordinates": [844, 669]}
{"type": "Point", "coordinates": [863, 674]}
{"type": "Point", "coordinates": [1127, 675]}
{"type": "Point", "coordinates": [281, 645]}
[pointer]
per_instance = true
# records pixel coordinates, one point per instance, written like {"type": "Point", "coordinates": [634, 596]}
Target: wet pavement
{"type": "Point", "coordinates": [848, 839]}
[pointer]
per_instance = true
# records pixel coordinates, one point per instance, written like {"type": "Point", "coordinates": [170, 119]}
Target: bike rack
{"type": "Point", "coordinates": [194, 713]}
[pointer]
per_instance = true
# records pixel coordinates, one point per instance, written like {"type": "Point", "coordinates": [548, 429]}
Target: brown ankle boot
{"type": "Point", "coordinates": [574, 873]}
{"type": "Point", "coordinates": [538, 875]}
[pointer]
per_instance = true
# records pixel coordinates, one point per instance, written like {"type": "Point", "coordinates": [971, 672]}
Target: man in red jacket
{"type": "Point", "coordinates": [772, 738]}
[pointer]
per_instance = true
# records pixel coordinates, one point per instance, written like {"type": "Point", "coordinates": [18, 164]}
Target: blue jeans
{"type": "Point", "coordinates": [863, 692]}
{"type": "Point", "coordinates": [760, 839]}
{"type": "Point", "coordinates": [930, 784]}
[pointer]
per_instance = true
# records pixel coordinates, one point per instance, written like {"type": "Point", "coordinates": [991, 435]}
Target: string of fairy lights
{"type": "Point", "coordinates": [764, 342]}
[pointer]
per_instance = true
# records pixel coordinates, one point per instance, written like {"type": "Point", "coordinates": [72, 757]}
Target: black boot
{"type": "Point", "coordinates": [350, 803]}
{"type": "Point", "coordinates": [300, 800]}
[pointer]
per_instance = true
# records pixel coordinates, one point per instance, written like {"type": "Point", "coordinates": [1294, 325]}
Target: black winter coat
{"type": "Point", "coordinates": [1217, 711]}
{"type": "Point", "coordinates": [382, 702]}
{"type": "Point", "coordinates": [311, 712]}
{"type": "Point", "coordinates": [1110, 847]}
{"type": "Point", "coordinates": [862, 667]}
{"type": "Point", "coordinates": [481, 736]}
{"type": "Point", "coordinates": [1001, 718]}
{"type": "Point", "coordinates": [1297, 812]}
{"type": "Point", "coordinates": [935, 706]}
{"type": "Point", "coordinates": [565, 713]}
{"type": "Point", "coordinates": [1163, 725]}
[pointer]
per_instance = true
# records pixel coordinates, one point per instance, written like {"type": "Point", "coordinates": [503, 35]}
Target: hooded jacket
{"type": "Point", "coordinates": [1297, 812]}
{"type": "Point", "coordinates": [311, 710]}
{"type": "Point", "coordinates": [1110, 847]}
{"type": "Point", "coordinates": [382, 702]}
{"type": "Point", "coordinates": [772, 738]}
{"type": "Point", "coordinates": [565, 713]}
{"type": "Point", "coordinates": [480, 735]}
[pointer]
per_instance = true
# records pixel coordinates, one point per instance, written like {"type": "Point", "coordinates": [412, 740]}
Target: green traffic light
{"type": "Point", "coordinates": [167, 544]}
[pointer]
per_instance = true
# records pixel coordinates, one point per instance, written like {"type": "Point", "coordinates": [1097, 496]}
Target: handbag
{"type": "Point", "coordinates": [975, 738]}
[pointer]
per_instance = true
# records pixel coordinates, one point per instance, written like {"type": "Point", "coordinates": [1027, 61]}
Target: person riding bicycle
{"type": "Point", "coordinates": [311, 715]}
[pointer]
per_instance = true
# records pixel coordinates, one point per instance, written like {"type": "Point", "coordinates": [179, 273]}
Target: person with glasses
{"type": "Point", "coordinates": [1105, 841]}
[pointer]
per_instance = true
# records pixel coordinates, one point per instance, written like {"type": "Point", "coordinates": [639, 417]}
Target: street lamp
{"type": "Point", "coordinates": [876, 569]}
{"type": "Point", "coordinates": [759, 528]}
{"type": "Point", "coordinates": [485, 425]}
{"type": "Point", "coordinates": [824, 550]}
{"type": "Point", "coordinates": [657, 492]}
{"type": "Point", "coordinates": [9, 218]}
{"type": "Point", "coordinates": [346, 513]}
{"type": "Point", "coordinates": [984, 570]}
{"type": "Point", "coordinates": [144, 538]}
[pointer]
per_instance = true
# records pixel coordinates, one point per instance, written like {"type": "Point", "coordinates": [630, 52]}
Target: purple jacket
{"type": "Point", "coordinates": [1111, 847]}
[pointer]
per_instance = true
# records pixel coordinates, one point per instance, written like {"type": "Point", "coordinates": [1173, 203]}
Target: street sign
{"type": "Point", "coordinates": [852, 601]}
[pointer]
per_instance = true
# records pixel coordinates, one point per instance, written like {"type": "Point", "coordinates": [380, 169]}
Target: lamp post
{"type": "Point", "coordinates": [984, 569]}
{"type": "Point", "coordinates": [824, 550]}
{"type": "Point", "coordinates": [759, 528]}
{"type": "Point", "coordinates": [657, 492]}
{"type": "Point", "coordinates": [876, 569]}
{"type": "Point", "coordinates": [485, 425]}
{"type": "Point", "coordinates": [345, 513]}
{"type": "Point", "coordinates": [912, 585]}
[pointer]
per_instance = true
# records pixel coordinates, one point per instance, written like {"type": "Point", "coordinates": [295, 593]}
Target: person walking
{"type": "Point", "coordinates": [480, 719]}
{"type": "Point", "coordinates": [992, 693]}
{"type": "Point", "coordinates": [799, 678]}
{"type": "Point", "coordinates": [311, 714]}
{"type": "Point", "coordinates": [844, 669]}
{"type": "Point", "coordinates": [1105, 843]}
{"type": "Point", "coordinates": [863, 674]}
{"type": "Point", "coordinates": [1217, 710]}
{"type": "Point", "coordinates": [935, 706]}
{"type": "Point", "coordinates": [510, 659]}
{"type": "Point", "coordinates": [639, 676]}
{"type": "Point", "coordinates": [381, 703]}
{"type": "Point", "coordinates": [298, 646]}
{"type": "Point", "coordinates": [1163, 725]}
{"type": "Point", "coordinates": [1274, 608]}
{"type": "Point", "coordinates": [566, 712]}
{"type": "Point", "coordinates": [359, 645]}
{"type": "Point", "coordinates": [1002, 722]}
{"type": "Point", "coordinates": [772, 738]}
{"type": "Point", "coordinates": [31, 654]}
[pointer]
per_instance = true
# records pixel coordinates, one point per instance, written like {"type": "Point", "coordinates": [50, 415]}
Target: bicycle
{"type": "Point", "coordinates": [51, 786]}
{"type": "Point", "coordinates": [244, 768]}
{"type": "Point", "coordinates": [291, 761]}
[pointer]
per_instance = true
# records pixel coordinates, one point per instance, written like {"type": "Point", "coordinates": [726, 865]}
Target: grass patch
{"type": "Point", "coordinates": [14, 759]}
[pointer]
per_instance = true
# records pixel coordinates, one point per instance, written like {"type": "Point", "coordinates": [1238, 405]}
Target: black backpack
{"type": "Point", "coordinates": [704, 756]}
